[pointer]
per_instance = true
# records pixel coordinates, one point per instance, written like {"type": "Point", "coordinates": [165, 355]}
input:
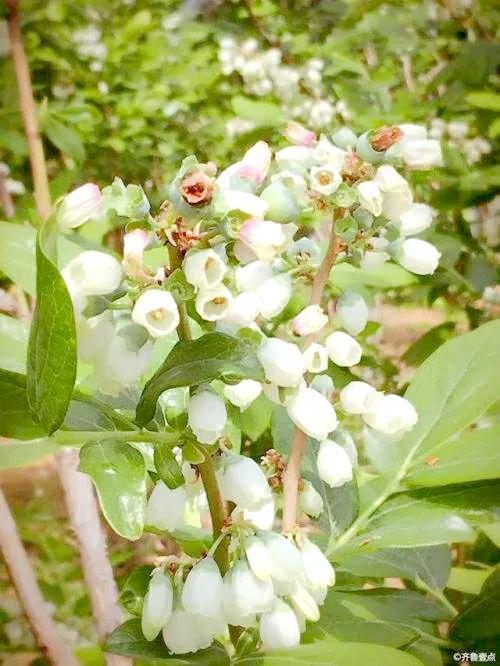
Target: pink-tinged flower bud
{"type": "Point", "coordinates": [343, 349]}
{"type": "Point", "coordinates": [156, 310]}
{"type": "Point", "coordinates": [310, 320]}
{"type": "Point", "coordinates": [157, 607]}
{"type": "Point", "coordinates": [279, 628]}
{"type": "Point", "coordinates": [255, 163]}
{"type": "Point", "coordinates": [202, 591]}
{"type": "Point", "coordinates": [298, 135]}
{"type": "Point", "coordinates": [263, 239]}
{"type": "Point", "coordinates": [334, 465]}
{"type": "Point", "coordinates": [79, 206]}
{"type": "Point", "coordinates": [419, 256]}
{"type": "Point", "coordinates": [312, 413]}
{"type": "Point", "coordinates": [134, 244]}
{"type": "Point", "coordinates": [197, 189]}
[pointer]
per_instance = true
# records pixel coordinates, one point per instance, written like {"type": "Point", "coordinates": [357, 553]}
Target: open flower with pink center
{"type": "Point", "coordinates": [197, 189]}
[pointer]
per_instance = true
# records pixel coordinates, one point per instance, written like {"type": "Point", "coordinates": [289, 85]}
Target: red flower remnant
{"type": "Point", "coordinates": [197, 189]}
{"type": "Point", "coordinates": [385, 137]}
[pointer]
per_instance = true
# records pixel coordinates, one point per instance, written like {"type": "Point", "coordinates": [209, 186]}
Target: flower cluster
{"type": "Point", "coordinates": [457, 133]}
{"type": "Point", "coordinates": [89, 46]}
{"type": "Point", "coordinates": [236, 258]}
{"type": "Point", "coordinates": [300, 90]}
{"type": "Point", "coordinates": [484, 221]}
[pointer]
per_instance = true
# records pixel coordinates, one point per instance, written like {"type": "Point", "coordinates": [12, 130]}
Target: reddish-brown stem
{"type": "Point", "coordinates": [28, 111]}
{"type": "Point", "coordinates": [24, 580]}
{"type": "Point", "coordinates": [292, 474]}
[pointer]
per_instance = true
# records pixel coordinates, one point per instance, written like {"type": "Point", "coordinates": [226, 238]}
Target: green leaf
{"type": "Point", "coordinates": [465, 580]}
{"type": "Point", "coordinates": [481, 618]}
{"type": "Point", "coordinates": [428, 343]}
{"type": "Point", "coordinates": [15, 416]}
{"type": "Point", "coordinates": [13, 343]}
{"type": "Point", "coordinates": [263, 114]}
{"type": "Point", "coordinates": [388, 276]}
{"type": "Point", "coordinates": [134, 589]}
{"type": "Point", "coordinates": [471, 457]}
{"type": "Point", "coordinates": [128, 640]}
{"type": "Point", "coordinates": [430, 564]}
{"type": "Point", "coordinates": [20, 454]}
{"type": "Point", "coordinates": [52, 359]}
{"type": "Point", "coordinates": [484, 100]}
{"type": "Point", "coordinates": [63, 137]}
{"type": "Point", "coordinates": [119, 474]}
{"type": "Point", "coordinates": [330, 652]}
{"type": "Point", "coordinates": [213, 356]}
{"type": "Point", "coordinates": [192, 453]}
{"type": "Point", "coordinates": [167, 467]}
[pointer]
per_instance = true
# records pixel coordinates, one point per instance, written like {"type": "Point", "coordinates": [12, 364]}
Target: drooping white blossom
{"type": "Point", "coordinates": [334, 465]}
{"type": "Point", "coordinates": [282, 361]}
{"type": "Point", "coordinates": [312, 413]}
{"type": "Point", "coordinates": [156, 310]}
{"type": "Point", "coordinates": [202, 590]}
{"type": "Point", "coordinates": [419, 256]}
{"type": "Point", "coordinates": [310, 320]}
{"type": "Point", "coordinates": [204, 269]}
{"type": "Point", "coordinates": [343, 349]}
{"type": "Point", "coordinates": [279, 628]}
{"type": "Point", "coordinates": [244, 393]}
{"type": "Point", "coordinates": [79, 206]}
{"type": "Point", "coordinates": [158, 603]}
{"type": "Point", "coordinates": [165, 508]}
{"type": "Point", "coordinates": [207, 416]}
{"type": "Point", "coordinates": [244, 483]}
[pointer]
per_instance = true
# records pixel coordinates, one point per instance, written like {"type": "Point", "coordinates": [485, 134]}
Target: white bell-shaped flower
{"type": "Point", "coordinates": [357, 397]}
{"type": "Point", "coordinates": [419, 256]}
{"type": "Point", "coordinates": [310, 320]}
{"type": "Point", "coordinates": [258, 557]}
{"type": "Point", "coordinates": [310, 501]}
{"type": "Point", "coordinates": [319, 594]}
{"type": "Point", "coordinates": [165, 508]}
{"type": "Point", "coordinates": [207, 416]}
{"type": "Point", "coordinates": [79, 206]}
{"type": "Point", "coordinates": [282, 361]}
{"type": "Point", "coordinates": [156, 310]}
{"type": "Point", "coordinates": [325, 180]}
{"type": "Point", "coordinates": [243, 394]}
{"type": "Point", "coordinates": [94, 335]}
{"type": "Point", "coordinates": [263, 517]}
{"type": "Point", "coordinates": [397, 195]}
{"type": "Point", "coordinates": [228, 200]}
{"type": "Point", "coordinates": [421, 153]}
{"type": "Point", "coordinates": [202, 591]}
{"type": "Point", "coordinates": [326, 153]}
{"type": "Point", "coordinates": [343, 349]}
{"type": "Point", "coordinates": [285, 558]}
{"type": "Point", "coordinates": [316, 358]}
{"type": "Point", "coordinates": [93, 273]}
{"type": "Point", "coordinates": [204, 268]}
{"type": "Point", "coordinates": [279, 628]}
{"type": "Point", "coordinates": [334, 465]}
{"type": "Point", "coordinates": [375, 254]}
{"type": "Point", "coordinates": [352, 312]}
{"type": "Point", "coordinates": [318, 572]}
{"type": "Point", "coordinates": [391, 415]}
{"type": "Point", "coordinates": [370, 197]}
{"type": "Point", "coordinates": [263, 239]}
{"type": "Point", "coordinates": [157, 607]}
{"type": "Point", "coordinates": [304, 602]}
{"type": "Point", "coordinates": [213, 304]}
{"type": "Point", "coordinates": [274, 294]}
{"type": "Point", "coordinates": [251, 276]}
{"type": "Point", "coordinates": [186, 632]}
{"type": "Point", "coordinates": [244, 594]}
{"type": "Point", "coordinates": [242, 311]}
{"type": "Point", "coordinates": [414, 220]}
{"type": "Point", "coordinates": [244, 483]}
{"type": "Point", "coordinates": [312, 413]}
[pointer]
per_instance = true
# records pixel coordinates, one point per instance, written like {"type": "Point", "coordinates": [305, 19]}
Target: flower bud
{"type": "Point", "coordinates": [93, 273]}
{"type": "Point", "coordinates": [258, 557]}
{"type": "Point", "coordinates": [204, 268]}
{"type": "Point", "coordinates": [165, 508]}
{"type": "Point", "coordinates": [243, 394]}
{"type": "Point", "coordinates": [186, 632]}
{"type": "Point", "coordinates": [253, 275]}
{"type": "Point", "coordinates": [421, 153]}
{"type": "Point", "coordinates": [274, 294]}
{"type": "Point", "coordinates": [305, 603]}
{"type": "Point", "coordinates": [352, 312]}
{"type": "Point", "coordinates": [285, 558]}
{"type": "Point", "coordinates": [413, 131]}
{"type": "Point", "coordinates": [333, 464]}
{"type": "Point", "coordinates": [391, 415]}
{"type": "Point", "coordinates": [202, 591]}
{"type": "Point", "coordinates": [312, 413]}
{"type": "Point", "coordinates": [213, 304]}
{"type": "Point", "coordinates": [310, 320]}
{"type": "Point", "coordinates": [282, 202]}
{"type": "Point", "coordinates": [294, 158]}
{"type": "Point", "coordinates": [79, 206]}
{"type": "Point", "coordinates": [316, 358]}
{"type": "Point", "coordinates": [134, 244]}
{"type": "Point", "coordinates": [324, 385]}
{"type": "Point", "coordinates": [244, 594]}
{"type": "Point", "coordinates": [325, 180]}
{"type": "Point", "coordinates": [419, 256]}
{"type": "Point", "coordinates": [343, 349]}
{"type": "Point", "coordinates": [255, 163]}
{"type": "Point", "coordinates": [207, 416]}
{"type": "Point", "coordinates": [298, 135]}
{"type": "Point", "coordinates": [282, 361]}
{"type": "Point", "coordinates": [158, 603]}
{"type": "Point", "coordinates": [279, 628]}
{"type": "Point", "coordinates": [344, 138]}
{"type": "Point", "coordinates": [263, 239]}
{"type": "Point", "coordinates": [310, 501]}
{"type": "Point", "coordinates": [228, 200]}
{"type": "Point", "coordinates": [263, 517]}
{"type": "Point", "coordinates": [396, 193]}
{"type": "Point", "coordinates": [370, 197]}
{"type": "Point", "coordinates": [357, 397]}
{"type": "Point", "coordinates": [417, 218]}
{"type": "Point", "coordinates": [156, 310]}
{"type": "Point", "coordinates": [244, 483]}
{"type": "Point", "coordinates": [318, 572]}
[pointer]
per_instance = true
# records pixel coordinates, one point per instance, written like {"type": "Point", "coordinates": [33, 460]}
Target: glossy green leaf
{"type": "Point", "coordinates": [213, 356]}
{"type": "Point", "coordinates": [134, 589]}
{"type": "Point", "coordinates": [119, 475]}
{"type": "Point", "coordinates": [128, 640]}
{"type": "Point", "coordinates": [465, 580]}
{"type": "Point", "coordinates": [16, 419]}
{"type": "Point", "coordinates": [471, 457]}
{"type": "Point", "coordinates": [13, 343]}
{"type": "Point", "coordinates": [480, 619]}
{"type": "Point", "coordinates": [52, 358]}
{"type": "Point", "coordinates": [330, 652]}
{"type": "Point", "coordinates": [167, 467]}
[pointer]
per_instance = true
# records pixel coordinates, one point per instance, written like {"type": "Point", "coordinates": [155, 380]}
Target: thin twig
{"type": "Point", "coordinates": [407, 72]}
{"type": "Point", "coordinates": [5, 198]}
{"type": "Point", "coordinates": [33, 603]}
{"type": "Point", "coordinates": [271, 41]}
